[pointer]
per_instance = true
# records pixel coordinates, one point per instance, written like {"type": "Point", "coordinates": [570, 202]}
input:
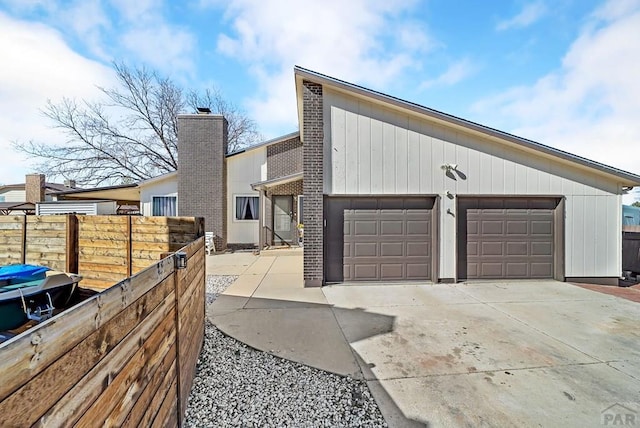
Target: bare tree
{"type": "Point", "coordinates": [132, 134]}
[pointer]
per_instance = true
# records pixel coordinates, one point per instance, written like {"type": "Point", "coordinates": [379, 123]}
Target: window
{"type": "Point", "coordinates": [164, 205]}
{"type": "Point", "coordinates": [1, 198]}
{"type": "Point", "coordinates": [247, 207]}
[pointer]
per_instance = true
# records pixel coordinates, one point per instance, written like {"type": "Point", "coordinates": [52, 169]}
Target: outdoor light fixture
{"type": "Point", "coordinates": [180, 260]}
{"type": "Point", "coordinates": [450, 167]}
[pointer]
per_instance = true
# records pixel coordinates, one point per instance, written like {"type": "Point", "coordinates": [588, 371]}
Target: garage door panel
{"type": "Point", "coordinates": [418, 249]}
{"type": "Point", "coordinates": [517, 270]}
{"type": "Point", "coordinates": [472, 248]}
{"type": "Point", "coordinates": [364, 227]}
{"type": "Point", "coordinates": [517, 249]}
{"type": "Point", "coordinates": [541, 249]}
{"type": "Point", "coordinates": [492, 249]}
{"type": "Point", "coordinates": [392, 271]}
{"type": "Point", "coordinates": [418, 270]}
{"type": "Point", "coordinates": [365, 271]}
{"type": "Point", "coordinates": [541, 270]}
{"type": "Point", "coordinates": [542, 227]}
{"type": "Point", "coordinates": [392, 227]}
{"type": "Point", "coordinates": [418, 227]}
{"type": "Point", "coordinates": [515, 238]}
{"type": "Point", "coordinates": [365, 249]}
{"type": "Point", "coordinates": [517, 227]}
{"type": "Point", "coordinates": [491, 270]}
{"type": "Point", "coordinates": [390, 240]}
{"type": "Point", "coordinates": [391, 249]}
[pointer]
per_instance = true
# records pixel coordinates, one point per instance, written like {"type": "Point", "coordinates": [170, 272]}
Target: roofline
{"type": "Point", "coordinates": [95, 189]}
{"type": "Point", "coordinates": [266, 143]}
{"type": "Point", "coordinates": [158, 178]}
{"type": "Point", "coordinates": [320, 78]}
{"type": "Point", "coordinates": [74, 201]}
{"type": "Point", "coordinates": [275, 181]}
{"type": "Point", "coordinates": [50, 186]}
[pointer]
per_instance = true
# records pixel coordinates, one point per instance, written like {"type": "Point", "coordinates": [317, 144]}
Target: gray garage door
{"type": "Point", "coordinates": [506, 238]}
{"type": "Point", "coordinates": [379, 239]}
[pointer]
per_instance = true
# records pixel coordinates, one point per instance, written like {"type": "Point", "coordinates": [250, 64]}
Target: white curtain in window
{"type": "Point", "coordinates": [164, 206]}
{"type": "Point", "coordinates": [247, 207]}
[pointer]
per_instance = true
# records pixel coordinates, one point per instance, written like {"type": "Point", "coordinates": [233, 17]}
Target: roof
{"type": "Point", "coordinates": [52, 187]}
{"type": "Point", "coordinates": [16, 206]}
{"type": "Point", "coordinates": [266, 143]}
{"type": "Point", "coordinates": [301, 73]}
{"type": "Point", "coordinates": [123, 192]}
{"type": "Point", "coordinates": [161, 177]}
{"type": "Point", "coordinates": [277, 181]}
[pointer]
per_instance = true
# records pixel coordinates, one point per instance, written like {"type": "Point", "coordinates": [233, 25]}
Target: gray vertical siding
{"type": "Point", "coordinates": [375, 150]}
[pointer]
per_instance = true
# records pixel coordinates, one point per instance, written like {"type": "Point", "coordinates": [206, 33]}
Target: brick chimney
{"type": "Point", "coordinates": [202, 171]}
{"type": "Point", "coordinates": [34, 188]}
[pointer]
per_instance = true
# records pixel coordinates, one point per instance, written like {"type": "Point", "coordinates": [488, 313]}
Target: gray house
{"type": "Point", "coordinates": [393, 191]}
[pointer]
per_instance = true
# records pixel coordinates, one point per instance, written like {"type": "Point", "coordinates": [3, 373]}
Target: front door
{"type": "Point", "coordinates": [283, 230]}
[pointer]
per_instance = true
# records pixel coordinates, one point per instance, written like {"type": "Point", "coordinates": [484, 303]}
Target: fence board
{"type": "Point", "coordinates": [125, 357]}
{"type": "Point", "coordinates": [28, 354]}
{"type": "Point", "coordinates": [137, 366]}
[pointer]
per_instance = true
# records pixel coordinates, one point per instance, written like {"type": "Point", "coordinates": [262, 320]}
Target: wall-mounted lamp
{"type": "Point", "coordinates": [180, 260]}
{"type": "Point", "coordinates": [450, 167]}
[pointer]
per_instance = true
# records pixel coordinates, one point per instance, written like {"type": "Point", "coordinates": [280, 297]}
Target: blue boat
{"type": "Point", "coordinates": [30, 292]}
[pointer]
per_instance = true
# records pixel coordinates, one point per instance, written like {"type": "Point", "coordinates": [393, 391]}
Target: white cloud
{"type": "Point", "coordinates": [529, 14]}
{"type": "Point", "coordinates": [37, 66]}
{"type": "Point", "coordinates": [456, 72]}
{"type": "Point", "coordinates": [365, 41]}
{"type": "Point", "coordinates": [590, 105]}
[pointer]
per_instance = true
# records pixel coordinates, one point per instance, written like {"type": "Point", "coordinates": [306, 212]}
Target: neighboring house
{"type": "Point", "coordinates": [118, 199]}
{"type": "Point", "coordinates": [22, 198]}
{"type": "Point", "coordinates": [85, 207]}
{"type": "Point", "coordinates": [159, 195]}
{"type": "Point", "coordinates": [393, 191]}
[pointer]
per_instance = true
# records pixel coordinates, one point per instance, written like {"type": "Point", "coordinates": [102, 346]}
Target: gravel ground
{"type": "Point", "coordinates": [238, 386]}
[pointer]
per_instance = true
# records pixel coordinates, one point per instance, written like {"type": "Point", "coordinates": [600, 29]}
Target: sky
{"type": "Point", "coordinates": [565, 73]}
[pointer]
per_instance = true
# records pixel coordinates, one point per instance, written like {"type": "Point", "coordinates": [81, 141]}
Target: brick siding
{"type": "Point", "coordinates": [313, 137]}
{"type": "Point", "coordinates": [284, 158]}
{"type": "Point", "coordinates": [34, 188]}
{"type": "Point", "coordinates": [202, 172]}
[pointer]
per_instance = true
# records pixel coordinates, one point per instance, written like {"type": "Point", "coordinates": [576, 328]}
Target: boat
{"type": "Point", "coordinates": [30, 292]}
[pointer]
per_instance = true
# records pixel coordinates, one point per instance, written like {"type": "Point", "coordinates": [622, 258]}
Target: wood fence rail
{"type": "Point", "coordinates": [103, 249]}
{"type": "Point", "coordinates": [124, 357]}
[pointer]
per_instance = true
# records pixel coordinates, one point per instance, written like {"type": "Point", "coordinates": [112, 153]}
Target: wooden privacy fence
{"type": "Point", "coordinates": [125, 357]}
{"type": "Point", "coordinates": [103, 249]}
{"type": "Point", "coordinates": [631, 248]}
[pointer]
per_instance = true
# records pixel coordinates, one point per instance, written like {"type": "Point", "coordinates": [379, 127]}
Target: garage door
{"type": "Point", "coordinates": [379, 239]}
{"type": "Point", "coordinates": [506, 238]}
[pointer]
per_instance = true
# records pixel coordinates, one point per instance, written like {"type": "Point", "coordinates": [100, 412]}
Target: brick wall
{"type": "Point", "coordinates": [284, 158]}
{"type": "Point", "coordinates": [34, 188]}
{"type": "Point", "coordinates": [313, 137]}
{"type": "Point", "coordinates": [294, 188]}
{"type": "Point", "coordinates": [202, 172]}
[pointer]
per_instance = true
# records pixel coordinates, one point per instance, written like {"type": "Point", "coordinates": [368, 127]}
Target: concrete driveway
{"type": "Point", "coordinates": [529, 353]}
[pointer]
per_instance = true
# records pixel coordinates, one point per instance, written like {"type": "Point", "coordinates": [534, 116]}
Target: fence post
{"type": "Point", "coordinates": [23, 244]}
{"type": "Point", "coordinates": [73, 249]}
{"type": "Point", "coordinates": [176, 285]}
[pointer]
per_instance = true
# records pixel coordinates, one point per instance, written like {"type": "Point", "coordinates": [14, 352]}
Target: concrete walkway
{"type": "Point", "coordinates": [530, 353]}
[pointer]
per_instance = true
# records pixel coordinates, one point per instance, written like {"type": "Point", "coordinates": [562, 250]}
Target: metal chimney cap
{"type": "Point", "coordinates": [204, 110]}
